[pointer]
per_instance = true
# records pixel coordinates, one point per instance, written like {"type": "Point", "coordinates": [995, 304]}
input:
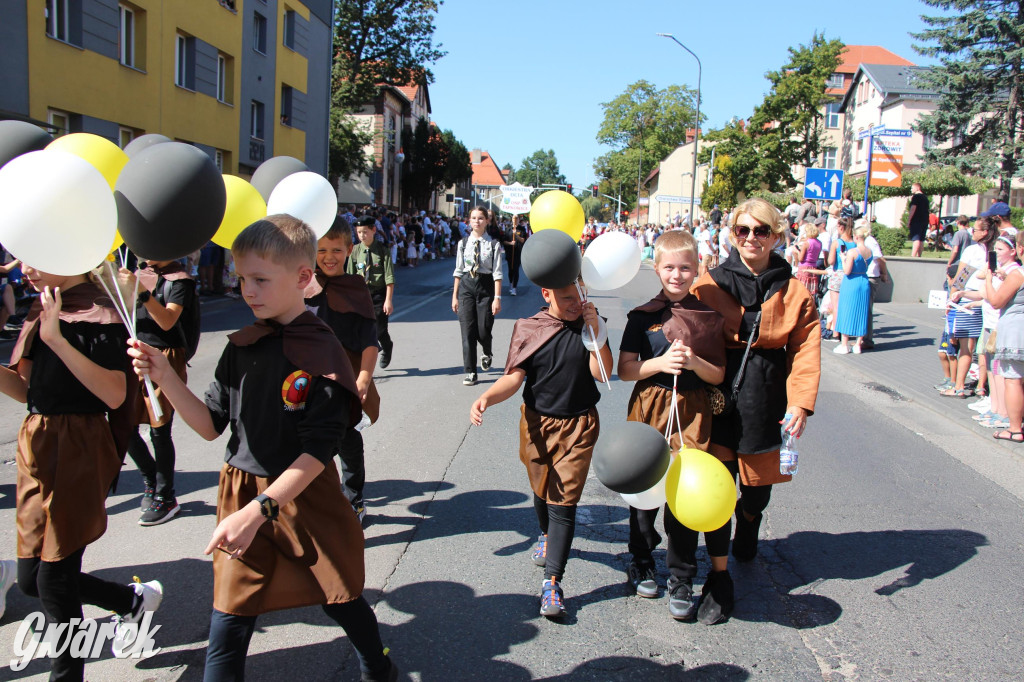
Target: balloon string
{"type": "Point", "coordinates": [674, 421]}
{"type": "Point", "coordinates": [593, 334]}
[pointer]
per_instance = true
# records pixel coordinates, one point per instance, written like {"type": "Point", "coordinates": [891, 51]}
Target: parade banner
{"type": "Point", "coordinates": [515, 198]}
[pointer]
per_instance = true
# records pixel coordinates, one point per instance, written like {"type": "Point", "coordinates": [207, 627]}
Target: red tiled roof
{"type": "Point", "coordinates": [855, 55]}
{"type": "Point", "coordinates": [487, 173]}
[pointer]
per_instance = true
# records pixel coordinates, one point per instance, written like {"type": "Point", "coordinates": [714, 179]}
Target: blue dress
{"type": "Point", "coordinates": [854, 300]}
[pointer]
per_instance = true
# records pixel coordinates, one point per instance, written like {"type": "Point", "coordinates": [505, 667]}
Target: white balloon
{"type": "Point", "coordinates": [652, 498]}
{"type": "Point", "coordinates": [57, 213]}
{"type": "Point", "coordinates": [307, 196]}
{"type": "Point", "coordinates": [588, 337]}
{"type": "Point", "coordinates": [611, 261]}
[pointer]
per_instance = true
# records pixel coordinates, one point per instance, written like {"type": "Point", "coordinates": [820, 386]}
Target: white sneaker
{"type": "Point", "coordinates": [841, 350]}
{"type": "Point", "coordinates": [150, 595]}
{"type": "Point", "coordinates": [8, 576]}
{"type": "Point", "coordinates": [856, 349]}
{"type": "Point", "coordinates": [982, 405]}
{"type": "Point", "coordinates": [512, 291]}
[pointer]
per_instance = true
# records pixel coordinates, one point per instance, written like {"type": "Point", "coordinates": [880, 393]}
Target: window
{"type": "Point", "coordinates": [222, 76]}
{"type": "Point", "coordinates": [218, 160]}
{"type": "Point", "coordinates": [286, 105]}
{"type": "Point", "coordinates": [831, 157]}
{"type": "Point", "coordinates": [127, 36]}
{"type": "Point", "coordinates": [256, 120]}
{"type": "Point", "coordinates": [259, 33]}
{"type": "Point", "coordinates": [952, 205]}
{"type": "Point", "coordinates": [834, 81]}
{"type": "Point", "coordinates": [832, 115]}
{"type": "Point", "coordinates": [57, 13]}
{"type": "Point", "coordinates": [860, 150]}
{"type": "Point", "coordinates": [61, 121]}
{"type": "Point", "coordinates": [289, 28]}
{"type": "Point", "coordinates": [928, 141]}
{"type": "Point", "coordinates": [125, 136]}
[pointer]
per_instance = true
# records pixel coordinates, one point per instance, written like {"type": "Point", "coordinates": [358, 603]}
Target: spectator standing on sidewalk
{"type": "Point", "coordinates": [878, 274]}
{"type": "Point", "coordinates": [918, 219]}
{"type": "Point", "coordinates": [1009, 354]}
{"type": "Point", "coordinates": [961, 240]}
{"type": "Point", "coordinates": [855, 294]}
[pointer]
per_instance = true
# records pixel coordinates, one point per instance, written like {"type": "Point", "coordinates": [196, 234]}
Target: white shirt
{"type": "Point", "coordinates": [724, 246]}
{"type": "Point", "coordinates": [976, 257]}
{"type": "Point", "coordinates": [874, 267]}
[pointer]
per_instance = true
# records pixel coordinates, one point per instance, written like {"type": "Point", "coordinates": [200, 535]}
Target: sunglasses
{"type": "Point", "coordinates": [760, 232]}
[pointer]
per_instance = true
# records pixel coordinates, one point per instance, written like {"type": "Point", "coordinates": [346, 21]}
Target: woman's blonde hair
{"type": "Point", "coordinates": [763, 212]}
{"type": "Point", "coordinates": [811, 230]}
{"type": "Point", "coordinates": [862, 231]}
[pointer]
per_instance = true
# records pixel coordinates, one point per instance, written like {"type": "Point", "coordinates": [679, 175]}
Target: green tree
{"type": "Point", "coordinates": [459, 168]}
{"type": "Point", "coordinates": [936, 181]}
{"type": "Point", "coordinates": [787, 129]}
{"type": "Point", "coordinates": [434, 160]}
{"type": "Point", "coordinates": [643, 125]}
{"type": "Point", "coordinates": [733, 141]}
{"type": "Point", "coordinates": [592, 207]}
{"type": "Point", "coordinates": [539, 168]}
{"type": "Point", "coordinates": [980, 46]}
{"type": "Point", "coordinates": [375, 42]}
{"type": "Point", "coordinates": [723, 186]}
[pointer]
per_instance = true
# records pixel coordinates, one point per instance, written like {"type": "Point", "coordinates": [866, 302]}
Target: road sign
{"type": "Point", "coordinates": [882, 131]}
{"type": "Point", "coordinates": [670, 199]}
{"type": "Point", "coordinates": [886, 171]}
{"type": "Point", "coordinates": [823, 183]}
{"type": "Point", "coordinates": [888, 146]}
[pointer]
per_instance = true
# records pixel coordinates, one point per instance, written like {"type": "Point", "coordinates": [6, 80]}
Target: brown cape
{"type": "Point", "coordinates": [345, 294]}
{"type": "Point", "coordinates": [695, 324]}
{"type": "Point", "coordinates": [310, 345]}
{"type": "Point", "coordinates": [149, 275]}
{"type": "Point", "coordinates": [529, 335]}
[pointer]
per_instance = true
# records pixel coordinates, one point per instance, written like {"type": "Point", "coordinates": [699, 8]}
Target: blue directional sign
{"type": "Point", "coordinates": [825, 184]}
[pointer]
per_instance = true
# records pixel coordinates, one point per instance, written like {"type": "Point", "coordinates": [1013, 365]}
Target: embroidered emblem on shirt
{"type": "Point", "coordinates": [655, 327]}
{"type": "Point", "coordinates": [294, 390]}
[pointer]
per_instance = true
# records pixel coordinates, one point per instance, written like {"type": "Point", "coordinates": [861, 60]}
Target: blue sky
{"type": "Point", "coordinates": [531, 74]}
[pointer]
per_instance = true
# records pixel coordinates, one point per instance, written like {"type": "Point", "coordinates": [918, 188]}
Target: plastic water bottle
{"type": "Point", "coordinates": [363, 423]}
{"type": "Point", "coordinates": [788, 456]}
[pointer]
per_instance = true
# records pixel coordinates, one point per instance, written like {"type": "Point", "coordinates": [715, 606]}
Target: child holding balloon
{"type": "Point", "coordinates": [671, 347]}
{"type": "Point", "coordinates": [70, 368]}
{"type": "Point", "coordinates": [559, 424]}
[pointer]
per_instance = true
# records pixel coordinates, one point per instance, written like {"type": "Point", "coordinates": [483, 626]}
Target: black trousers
{"type": "Point", "coordinates": [353, 466]}
{"type": "Point", "coordinates": [476, 295]}
{"type": "Point", "coordinates": [558, 522]}
{"type": "Point", "coordinates": [230, 636]}
{"type": "Point", "coordinates": [62, 588]}
{"type": "Point", "coordinates": [514, 260]}
{"type": "Point", "coordinates": [158, 468]}
{"type": "Point", "coordinates": [383, 336]}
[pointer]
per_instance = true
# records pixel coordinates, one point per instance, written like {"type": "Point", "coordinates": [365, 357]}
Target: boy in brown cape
{"type": "Point", "coordinates": [672, 341]}
{"type": "Point", "coordinates": [286, 537]}
{"type": "Point", "coordinates": [559, 424]}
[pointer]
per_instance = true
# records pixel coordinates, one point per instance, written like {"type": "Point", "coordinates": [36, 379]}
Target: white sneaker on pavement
{"type": "Point", "coordinates": [982, 405]}
{"type": "Point", "coordinates": [149, 595]}
{"type": "Point", "coordinates": [8, 576]}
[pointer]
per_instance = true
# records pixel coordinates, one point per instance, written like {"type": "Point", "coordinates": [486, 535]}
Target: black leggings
{"type": "Point", "coordinates": [230, 635]}
{"type": "Point", "coordinates": [558, 523]}
{"type": "Point", "coordinates": [353, 466]}
{"type": "Point", "coordinates": [158, 468]}
{"type": "Point", "coordinates": [62, 588]}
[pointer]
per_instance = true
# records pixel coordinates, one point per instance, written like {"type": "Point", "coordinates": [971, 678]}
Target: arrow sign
{"type": "Point", "coordinates": [823, 183]}
{"type": "Point", "coordinates": [813, 187]}
{"type": "Point", "coordinates": [834, 180]}
{"type": "Point", "coordinates": [888, 175]}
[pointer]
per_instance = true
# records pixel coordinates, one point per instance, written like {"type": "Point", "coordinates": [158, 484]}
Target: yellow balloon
{"type": "Point", "coordinates": [701, 492]}
{"type": "Point", "coordinates": [244, 207]}
{"type": "Point", "coordinates": [558, 210]}
{"type": "Point", "coordinates": [104, 155]}
{"type": "Point", "coordinates": [117, 242]}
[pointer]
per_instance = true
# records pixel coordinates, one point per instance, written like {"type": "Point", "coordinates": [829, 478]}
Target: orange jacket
{"type": "Point", "coordinates": [789, 320]}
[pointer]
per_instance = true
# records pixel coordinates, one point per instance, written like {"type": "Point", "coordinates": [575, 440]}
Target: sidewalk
{"type": "Point", "coordinates": [904, 361]}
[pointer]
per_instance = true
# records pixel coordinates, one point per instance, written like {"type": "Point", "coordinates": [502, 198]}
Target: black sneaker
{"type": "Point", "coordinates": [744, 542]}
{"type": "Point", "coordinates": [389, 675]}
{"type": "Point", "coordinates": [149, 490]}
{"type": "Point", "coordinates": [643, 578]}
{"type": "Point", "coordinates": [161, 511]}
{"type": "Point", "coordinates": [680, 600]}
{"type": "Point", "coordinates": [716, 599]}
{"type": "Point", "coordinates": [385, 360]}
{"type": "Point", "coordinates": [469, 379]}
{"type": "Point", "coordinates": [485, 362]}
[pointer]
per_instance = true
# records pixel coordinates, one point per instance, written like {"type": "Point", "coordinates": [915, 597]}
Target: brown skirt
{"type": "Point", "coordinates": [557, 453]}
{"type": "Point", "coordinates": [312, 554]}
{"type": "Point", "coordinates": [66, 463]}
{"type": "Point", "coordinates": [651, 404]}
{"type": "Point", "coordinates": [755, 470]}
{"type": "Point", "coordinates": [143, 401]}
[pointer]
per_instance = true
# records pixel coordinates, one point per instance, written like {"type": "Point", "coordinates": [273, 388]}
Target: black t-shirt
{"type": "Point", "coordinates": [558, 378]}
{"type": "Point", "coordinates": [643, 335]}
{"type": "Point", "coordinates": [53, 389]}
{"type": "Point", "coordinates": [920, 218]}
{"type": "Point", "coordinates": [276, 411]}
{"type": "Point", "coordinates": [182, 292]}
{"type": "Point", "coordinates": [355, 332]}
{"type": "Point", "coordinates": [716, 217]}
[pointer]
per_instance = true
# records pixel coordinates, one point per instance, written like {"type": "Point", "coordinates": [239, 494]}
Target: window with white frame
{"type": "Point", "coordinates": [57, 12]}
{"type": "Point", "coordinates": [952, 205]}
{"type": "Point", "coordinates": [834, 81]}
{"type": "Point", "coordinates": [289, 29]}
{"type": "Point", "coordinates": [127, 36]}
{"type": "Point", "coordinates": [259, 33]}
{"type": "Point", "coordinates": [860, 150]}
{"type": "Point", "coordinates": [185, 62]}
{"type": "Point", "coordinates": [256, 120]}
{"type": "Point", "coordinates": [60, 120]}
{"type": "Point", "coordinates": [125, 136]}
{"type": "Point", "coordinates": [832, 115]}
{"type": "Point", "coordinates": [831, 157]}
{"type": "Point", "coordinates": [222, 77]}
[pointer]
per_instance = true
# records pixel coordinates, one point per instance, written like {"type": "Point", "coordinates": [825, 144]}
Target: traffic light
{"type": "Point", "coordinates": [593, 191]}
{"type": "Point", "coordinates": [568, 188]}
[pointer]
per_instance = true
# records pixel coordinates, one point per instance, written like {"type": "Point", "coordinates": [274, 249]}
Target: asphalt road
{"type": "Point", "coordinates": [894, 554]}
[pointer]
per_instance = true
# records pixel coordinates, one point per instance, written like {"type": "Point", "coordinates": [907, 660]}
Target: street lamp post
{"type": "Point", "coordinates": [696, 127]}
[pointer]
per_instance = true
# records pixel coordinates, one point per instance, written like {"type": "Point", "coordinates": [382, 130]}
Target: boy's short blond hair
{"type": "Point", "coordinates": [280, 239]}
{"type": "Point", "coordinates": [674, 241]}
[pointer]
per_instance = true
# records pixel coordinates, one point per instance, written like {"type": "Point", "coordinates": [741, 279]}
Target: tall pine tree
{"type": "Point", "coordinates": [980, 45]}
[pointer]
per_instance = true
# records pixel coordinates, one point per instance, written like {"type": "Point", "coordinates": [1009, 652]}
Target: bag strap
{"type": "Point", "coordinates": [746, 353]}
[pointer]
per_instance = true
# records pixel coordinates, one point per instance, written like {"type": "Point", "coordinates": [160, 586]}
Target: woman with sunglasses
{"type": "Point", "coordinates": [765, 307]}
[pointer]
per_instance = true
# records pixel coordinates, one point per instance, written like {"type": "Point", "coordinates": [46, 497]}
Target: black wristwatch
{"type": "Point", "coordinates": [144, 296]}
{"type": "Point", "coordinates": [268, 507]}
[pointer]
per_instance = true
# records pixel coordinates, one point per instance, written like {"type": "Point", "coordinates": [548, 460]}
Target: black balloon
{"type": "Point", "coordinates": [273, 171]}
{"type": "Point", "coordinates": [630, 457]}
{"type": "Point", "coordinates": [170, 201]}
{"type": "Point", "coordinates": [21, 137]}
{"type": "Point", "coordinates": [144, 142]}
{"type": "Point", "coordinates": [551, 259]}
